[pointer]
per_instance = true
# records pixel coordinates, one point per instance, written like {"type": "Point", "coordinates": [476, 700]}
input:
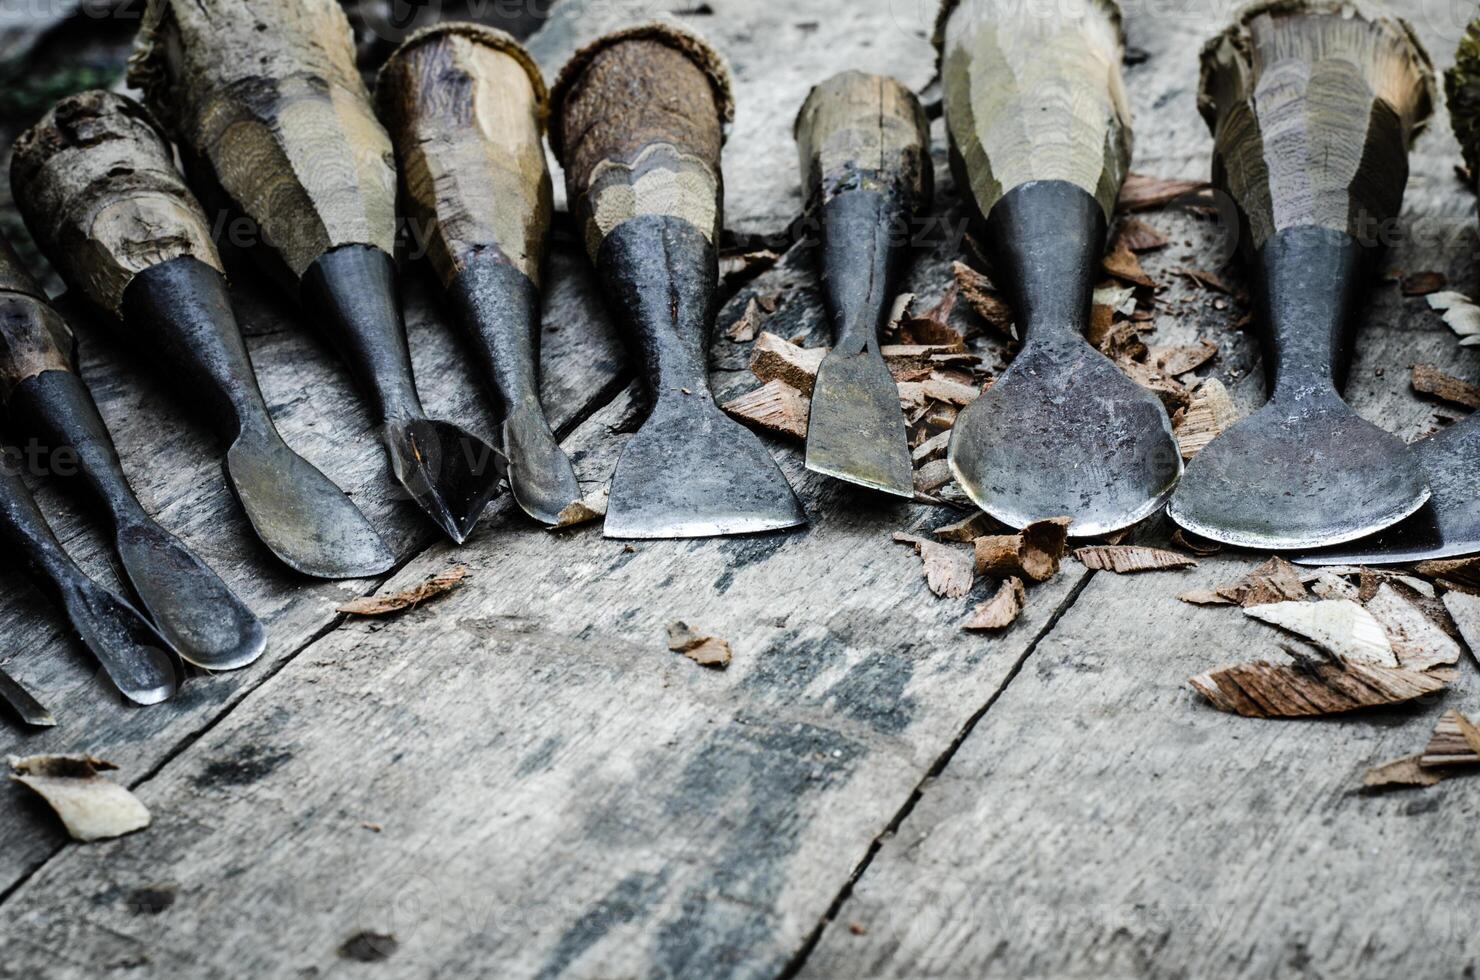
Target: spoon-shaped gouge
{"type": "Point", "coordinates": [46, 401]}
{"type": "Point", "coordinates": [1040, 140]}
{"type": "Point", "coordinates": [273, 120]}
{"type": "Point", "coordinates": [865, 151]}
{"type": "Point", "coordinates": [637, 122]}
{"type": "Point", "coordinates": [97, 185]}
{"type": "Point", "coordinates": [465, 106]}
{"type": "Point", "coordinates": [1312, 107]}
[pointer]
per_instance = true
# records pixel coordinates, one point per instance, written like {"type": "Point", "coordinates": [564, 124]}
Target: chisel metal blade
{"type": "Point", "coordinates": [855, 431]}
{"type": "Point", "coordinates": [22, 704]}
{"type": "Point", "coordinates": [448, 471]}
{"type": "Point", "coordinates": [1448, 526]}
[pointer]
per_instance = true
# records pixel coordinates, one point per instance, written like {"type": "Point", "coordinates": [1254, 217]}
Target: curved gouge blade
{"type": "Point", "coordinates": [1316, 164]}
{"type": "Point", "coordinates": [22, 704]}
{"type": "Point", "coordinates": [864, 147]}
{"type": "Point", "coordinates": [638, 124]}
{"type": "Point", "coordinates": [465, 106]}
{"type": "Point", "coordinates": [136, 658]}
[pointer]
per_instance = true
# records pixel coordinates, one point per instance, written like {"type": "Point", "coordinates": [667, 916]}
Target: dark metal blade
{"type": "Point", "coordinates": [300, 514]}
{"type": "Point", "coordinates": [201, 617]}
{"type": "Point", "coordinates": [22, 704]}
{"type": "Point", "coordinates": [1448, 526]}
{"type": "Point", "coordinates": [540, 473]}
{"type": "Point", "coordinates": [448, 471]}
{"type": "Point", "coordinates": [692, 472]}
{"type": "Point", "coordinates": [135, 657]}
{"type": "Point", "coordinates": [855, 430]}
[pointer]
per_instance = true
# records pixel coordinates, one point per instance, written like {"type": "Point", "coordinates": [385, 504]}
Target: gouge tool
{"type": "Point", "coordinates": [47, 402]}
{"type": "Point", "coordinates": [22, 704]}
{"type": "Point", "coordinates": [97, 185]}
{"type": "Point", "coordinates": [1040, 142]}
{"type": "Point", "coordinates": [865, 150]}
{"type": "Point", "coordinates": [465, 106]}
{"type": "Point", "coordinates": [1312, 107]}
{"type": "Point", "coordinates": [638, 119]}
{"type": "Point", "coordinates": [273, 121]}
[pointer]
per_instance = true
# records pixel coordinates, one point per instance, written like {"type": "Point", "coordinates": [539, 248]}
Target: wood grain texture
{"type": "Point", "coordinates": [465, 106]}
{"type": "Point", "coordinates": [637, 120]}
{"type": "Point", "coordinates": [265, 95]}
{"type": "Point", "coordinates": [860, 131]}
{"type": "Point", "coordinates": [33, 337]}
{"type": "Point", "coordinates": [1034, 92]}
{"type": "Point", "coordinates": [97, 185]}
{"type": "Point", "coordinates": [1313, 106]}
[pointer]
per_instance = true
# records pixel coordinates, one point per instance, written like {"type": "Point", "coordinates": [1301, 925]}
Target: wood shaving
{"type": "Point", "coordinates": [1416, 640]}
{"type": "Point", "coordinates": [1455, 742]}
{"type": "Point", "coordinates": [738, 268]}
{"type": "Point", "coordinates": [1423, 283]}
{"type": "Point", "coordinates": [1429, 380]}
{"type": "Point", "coordinates": [1119, 340]}
{"type": "Point", "coordinates": [1274, 581]}
{"type": "Point", "coordinates": [395, 602]}
{"type": "Point", "coordinates": [951, 392]}
{"type": "Point", "coordinates": [968, 529]}
{"type": "Point", "coordinates": [1460, 313]}
{"type": "Point", "coordinates": [949, 571]}
{"type": "Point", "coordinates": [1002, 609]}
{"type": "Point", "coordinates": [1125, 558]}
{"type": "Point", "coordinates": [1122, 263]}
{"type": "Point", "coordinates": [1174, 395]}
{"type": "Point", "coordinates": [1138, 236]}
{"type": "Point", "coordinates": [1265, 690]}
{"type": "Point", "coordinates": [702, 649]}
{"type": "Point", "coordinates": [982, 297]}
{"type": "Point", "coordinates": [1205, 280]}
{"type": "Point", "coordinates": [1119, 299]}
{"type": "Point", "coordinates": [1329, 586]}
{"type": "Point", "coordinates": [775, 407]}
{"type": "Point", "coordinates": [1196, 544]}
{"type": "Point", "coordinates": [1464, 610]}
{"type": "Point", "coordinates": [744, 329]}
{"type": "Point", "coordinates": [1142, 192]}
{"type": "Point", "coordinates": [932, 476]}
{"type": "Point", "coordinates": [90, 806]}
{"type": "Point", "coordinates": [933, 448]}
{"type": "Point", "coordinates": [1404, 771]}
{"type": "Point", "coordinates": [1343, 628]}
{"type": "Point", "coordinates": [1179, 360]}
{"type": "Point", "coordinates": [1205, 597]}
{"type": "Point", "coordinates": [775, 358]}
{"type": "Point", "coordinates": [933, 326]}
{"type": "Point", "coordinates": [1033, 553]}
{"type": "Point", "coordinates": [1460, 573]}
{"type": "Point", "coordinates": [589, 508]}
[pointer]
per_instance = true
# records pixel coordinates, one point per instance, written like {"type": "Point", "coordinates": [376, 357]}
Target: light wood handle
{"type": "Point", "coordinates": [97, 185]}
{"type": "Point", "coordinates": [638, 121]}
{"type": "Point", "coordinates": [859, 131]}
{"type": "Point", "coordinates": [1312, 107]}
{"type": "Point", "coordinates": [1034, 92]}
{"type": "Point", "coordinates": [465, 106]}
{"type": "Point", "coordinates": [33, 336]}
{"type": "Point", "coordinates": [265, 95]}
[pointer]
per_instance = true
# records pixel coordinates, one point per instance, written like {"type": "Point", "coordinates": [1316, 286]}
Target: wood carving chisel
{"type": "Point", "coordinates": [23, 704]}
{"type": "Point", "coordinates": [465, 106]}
{"type": "Point", "coordinates": [637, 121]}
{"type": "Point", "coordinates": [1040, 141]}
{"type": "Point", "coordinates": [1312, 107]}
{"type": "Point", "coordinates": [273, 121]}
{"type": "Point", "coordinates": [136, 658]}
{"type": "Point", "coordinates": [865, 152]}
{"type": "Point", "coordinates": [97, 185]}
{"type": "Point", "coordinates": [47, 402]}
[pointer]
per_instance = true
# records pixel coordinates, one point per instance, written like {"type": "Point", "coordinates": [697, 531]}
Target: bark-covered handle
{"type": "Point", "coordinates": [1034, 92]}
{"type": "Point", "coordinates": [863, 132]}
{"type": "Point", "coordinates": [97, 185]}
{"type": "Point", "coordinates": [465, 106]}
{"type": "Point", "coordinates": [265, 95]}
{"type": "Point", "coordinates": [33, 336]}
{"type": "Point", "coordinates": [638, 120]}
{"type": "Point", "coordinates": [1312, 107]}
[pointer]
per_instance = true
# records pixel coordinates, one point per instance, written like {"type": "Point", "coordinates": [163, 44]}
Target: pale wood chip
{"type": "Point", "coordinates": [1403, 771]}
{"type": "Point", "coordinates": [982, 297]}
{"type": "Point", "coordinates": [744, 329]}
{"type": "Point", "coordinates": [1423, 283]}
{"type": "Point", "coordinates": [589, 508]}
{"type": "Point", "coordinates": [1180, 359]}
{"type": "Point", "coordinates": [1342, 627]}
{"type": "Point", "coordinates": [90, 806]}
{"type": "Point", "coordinates": [932, 476]}
{"type": "Point", "coordinates": [1126, 558]}
{"type": "Point", "coordinates": [775, 358]}
{"type": "Point", "coordinates": [898, 311]}
{"type": "Point", "coordinates": [1002, 609]}
{"type": "Point", "coordinates": [1265, 690]}
{"type": "Point", "coordinates": [1142, 192]}
{"type": "Point", "coordinates": [702, 649]}
{"type": "Point", "coordinates": [395, 602]}
{"type": "Point", "coordinates": [738, 268]}
{"type": "Point", "coordinates": [1464, 610]}
{"type": "Point", "coordinates": [951, 392]}
{"type": "Point", "coordinates": [1416, 640]}
{"type": "Point", "coordinates": [1453, 742]}
{"type": "Point", "coordinates": [1120, 299]}
{"type": "Point", "coordinates": [1429, 380]}
{"type": "Point", "coordinates": [1329, 586]}
{"type": "Point", "coordinates": [933, 448]}
{"type": "Point", "coordinates": [949, 571]}
{"type": "Point", "coordinates": [1206, 597]}
{"type": "Point", "coordinates": [968, 529]}
{"type": "Point", "coordinates": [1122, 263]}
{"type": "Point", "coordinates": [1210, 411]}
{"type": "Point", "coordinates": [1460, 313]}
{"type": "Point", "coordinates": [1033, 553]}
{"type": "Point", "coordinates": [775, 407]}
{"type": "Point", "coordinates": [1138, 236]}
{"type": "Point", "coordinates": [1274, 581]}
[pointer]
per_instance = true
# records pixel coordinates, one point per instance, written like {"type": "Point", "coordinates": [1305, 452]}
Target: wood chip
{"type": "Point", "coordinates": [90, 806]}
{"type": "Point", "coordinates": [1460, 313]}
{"type": "Point", "coordinates": [1205, 597]}
{"type": "Point", "coordinates": [1002, 609]}
{"type": "Point", "coordinates": [1174, 395]}
{"type": "Point", "coordinates": [983, 299]}
{"type": "Point", "coordinates": [745, 327]}
{"type": "Point", "coordinates": [1416, 640]}
{"type": "Point", "coordinates": [933, 326]}
{"type": "Point", "coordinates": [775, 358]}
{"type": "Point", "coordinates": [1206, 280]}
{"type": "Point", "coordinates": [1194, 543]}
{"type": "Point", "coordinates": [1119, 299]}
{"type": "Point", "coordinates": [1274, 581]}
{"type": "Point", "coordinates": [702, 649]}
{"type": "Point", "coordinates": [774, 407]}
{"type": "Point", "coordinates": [932, 476]}
{"type": "Point", "coordinates": [1423, 283]}
{"type": "Point", "coordinates": [1464, 610]}
{"type": "Point", "coordinates": [1138, 236]}
{"type": "Point", "coordinates": [933, 448]}
{"type": "Point", "coordinates": [1429, 380]}
{"type": "Point", "coordinates": [1455, 742]}
{"type": "Point", "coordinates": [968, 529]}
{"type": "Point", "coordinates": [589, 508]}
{"type": "Point", "coordinates": [1126, 558]}
{"type": "Point", "coordinates": [1181, 359]}
{"type": "Point", "coordinates": [1209, 413]}
{"type": "Point", "coordinates": [738, 268]}
{"type": "Point", "coordinates": [1339, 626]}
{"type": "Point", "coordinates": [1265, 690]}
{"type": "Point", "coordinates": [950, 392]}
{"type": "Point", "coordinates": [1329, 586]}
{"type": "Point", "coordinates": [1033, 553]}
{"type": "Point", "coordinates": [1460, 572]}
{"type": "Point", "coordinates": [1122, 263]}
{"type": "Point", "coordinates": [387, 605]}
{"type": "Point", "coordinates": [1142, 192]}
{"type": "Point", "coordinates": [1404, 771]}
{"type": "Point", "coordinates": [949, 571]}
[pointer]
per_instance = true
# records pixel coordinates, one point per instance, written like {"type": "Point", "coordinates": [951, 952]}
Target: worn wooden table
{"type": "Point", "coordinates": [521, 780]}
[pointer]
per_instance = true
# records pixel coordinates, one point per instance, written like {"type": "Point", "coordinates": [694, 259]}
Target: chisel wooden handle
{"type": "Point", "coordinates": [1312, 107]}
{"type": "Point", "coordinates": [1033, 92]}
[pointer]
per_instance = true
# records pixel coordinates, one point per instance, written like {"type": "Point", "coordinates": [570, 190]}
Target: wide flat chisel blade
{"type": "Point", "coordinates": [22, 704]}
{"type": "Point", "coordinates": [855, 431]}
